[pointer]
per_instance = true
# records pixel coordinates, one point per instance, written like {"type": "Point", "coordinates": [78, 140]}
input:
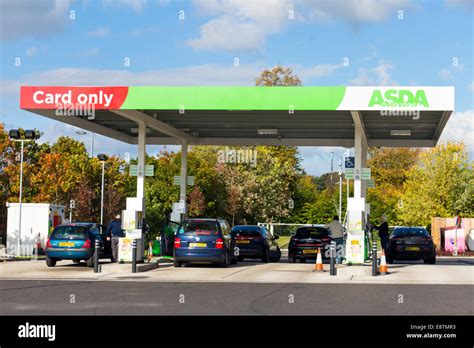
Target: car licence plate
{"type": "Point", "coordinates": [310, 251]}
{"type": "Point", "coordinates": [412, 248]}
{"type": "Point", "coordinates": [197, 245]}
{"type": "Point", "coordinates": [66, 244]}
{"type": "Point", "coordinates": [243, 242]}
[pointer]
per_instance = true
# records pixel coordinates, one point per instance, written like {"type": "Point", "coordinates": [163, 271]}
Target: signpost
{"type": "Point", "coordinates": [365, 175]}
{"type": "Point", "coordinates": [135, 170]}
{"type": "Point", "coordinates": [350, 173]}
{"type": "Point", "coordinates": [349, 162]}
{"type": "Point", "coordinates": [189, 180]}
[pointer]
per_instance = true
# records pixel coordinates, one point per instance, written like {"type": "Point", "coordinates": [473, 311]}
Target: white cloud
{"type": "Point", "coordinates": [378, 76]}
{"type": "Point", "coordinates": [460, 127]}
{"type": "Point", "coordinates": [136, 5]}
{"type": "Point", "coordinates": [445, 74]}
{"type": "Point", "coordinates": [90, 52]}
{"type": "Point", "coordinates": [355, 11]}
{"type": "Point", "coordinates": [32, 18]}
{"type": "Point", "coordinates": [317, 160]}
{"type": "Point", "coordinates": [319, 71]}
{"type": "Point", "coordinates": [99, 32]}
{"type": "Point", "coordinates": [31, 51]}
{"type": "Point", "coordinates": [242, 25]}
{"type": "Point", "coordinates": [469, 4]}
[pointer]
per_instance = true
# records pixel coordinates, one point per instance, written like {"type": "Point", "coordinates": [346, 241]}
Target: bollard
{"type": "Point", "coordinates": [134, 256]}
{"type": "Point", "coordinates": [374, 259]}
{"type": "Point", "coordinates": [332, 254]}
{"type": "Point", "coordinates": [96, 255]}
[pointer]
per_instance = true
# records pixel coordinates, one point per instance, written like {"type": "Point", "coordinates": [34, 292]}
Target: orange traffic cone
{"type": "Point", "coordinates": [383, 264]}
{"type": "Point", "coordinates": [319, 263]}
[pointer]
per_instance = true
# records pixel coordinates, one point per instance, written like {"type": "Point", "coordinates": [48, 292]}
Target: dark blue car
{"type": "Point", "coordinates": [204, 241]}
{"type": "Point", "coordinates": [76, 242]}
{"type": "Point", "coordinates": [255, 242]}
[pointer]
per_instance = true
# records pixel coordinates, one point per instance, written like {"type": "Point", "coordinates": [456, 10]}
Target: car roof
{"type": "Point", "coordinates": [77, 224]}
{"type": "Point", "coordinates": [247, 227]}
{"type": "Point", "coordinates": [204, 219]}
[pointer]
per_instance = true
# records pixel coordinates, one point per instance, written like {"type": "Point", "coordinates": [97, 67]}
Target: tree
{"type": "Point", "coordinates": [197, 202]}
{"type": "Point", "coordinates": [389, 170]}
{"type": "Point", "coordinates": [441, 184]}
{"type": "Point", "coordinates": [278, 76]}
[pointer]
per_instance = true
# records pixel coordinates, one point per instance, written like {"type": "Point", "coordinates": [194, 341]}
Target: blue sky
{"type": "Point", "coordinates": [196, 42]}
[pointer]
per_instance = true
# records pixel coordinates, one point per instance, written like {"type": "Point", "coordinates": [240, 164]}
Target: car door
{"type": "Point", "coordinates": [226, 235]}
{"type": "Point", "coordinates": [95, 233]}
{"type": "Point", "coordinates": [106, 239]}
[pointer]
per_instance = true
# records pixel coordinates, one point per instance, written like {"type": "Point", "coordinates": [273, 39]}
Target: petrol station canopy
{"type": "Point", "coordinates": [300, 116]}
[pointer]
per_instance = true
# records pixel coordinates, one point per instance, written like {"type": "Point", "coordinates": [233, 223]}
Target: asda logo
{"type": "Point", "coordinates": [398, 98]}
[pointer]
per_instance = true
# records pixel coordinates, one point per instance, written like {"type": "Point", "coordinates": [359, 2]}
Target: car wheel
{"type": "Point", "coordinates": [76, 261]}
{"type": "Point", "coordinates": [177, 264]}
{"type": "Point", "coordinates": [240, 258]}
{"type": "Point", "coordinates": [291, 259]}
{"type": "Point", "coordinates": [431, 260]}
{"type": "Point", "coordinates": [225, 264]}
{"type": "Point", "coordinates": [302, 260]}
{"type": "Point", "coordinates": [265, 255]}
{"type": "Point", "coordinates": [234, 260]}
{"type": "Point", "coordinates": [90, 261]}
{"type": "Point", "coordinates": [50, 262]}
{"type": "Point", "coordinates": [277, 256]}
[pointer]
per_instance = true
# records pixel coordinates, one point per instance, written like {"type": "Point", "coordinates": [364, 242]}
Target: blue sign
{"type": "Point", "coordinates": [349, 162]}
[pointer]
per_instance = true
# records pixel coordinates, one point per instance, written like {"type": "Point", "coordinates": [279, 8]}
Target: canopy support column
{"type": "Point", "coordinates": [141, 165]}
{"type": "Point", "coordinates": [183, 179]}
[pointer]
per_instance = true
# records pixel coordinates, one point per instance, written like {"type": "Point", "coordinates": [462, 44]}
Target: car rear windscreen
{"type": "Point", "coordinates": [413, 231]}
{"type": "Point", "coordinates": [246, 233]}
{"type": "Point", "coordinates": [200, 228]}
{"type": "Point", "coordinates": [311, 232]}
{"type": "Point", "coordinates": [69, 232]}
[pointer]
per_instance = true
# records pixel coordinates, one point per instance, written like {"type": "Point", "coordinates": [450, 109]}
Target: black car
{"type": "Point", "coordinates": [306, 242]}
{"type": "Point", "coordinates": [255, 242]}
{"type": "Point", "coordinates": [204, 241]}
{"type": "Point", "coordinates": [411, 243]}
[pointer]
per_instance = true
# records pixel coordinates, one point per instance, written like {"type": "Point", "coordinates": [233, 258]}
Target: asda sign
{"type": "Point", "coordinates": [398, 98]}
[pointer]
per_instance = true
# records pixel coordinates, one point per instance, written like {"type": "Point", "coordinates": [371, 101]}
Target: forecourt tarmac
{"type": "Point", "coordinates": [448, 270]}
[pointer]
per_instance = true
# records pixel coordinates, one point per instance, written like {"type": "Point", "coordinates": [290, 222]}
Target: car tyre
{"type": "Point", "coordinates": [225, 263]}
{"type": "Point", "coordinates": [265, 256]}
{"type": "Point", "coordinates": [277, 257]}
{"type": "Point", "coordinates": [431, 260]}
{"type": "Point", "coordinates": [76, 261]}
{"type": "Point", "coordinates": [90, 261]}
{"type": "Point", "coordinates": [50, 262]}
{"type": "Point", "coordinates": [177, 264]}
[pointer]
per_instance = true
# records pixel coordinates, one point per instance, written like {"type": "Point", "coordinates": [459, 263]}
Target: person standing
{"type": "Point", "coordinates": [115, 231]}
{"type": "Point", "coordinates": [337, 234]}
{"type": "Point", "coordinates": [383, 232]}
